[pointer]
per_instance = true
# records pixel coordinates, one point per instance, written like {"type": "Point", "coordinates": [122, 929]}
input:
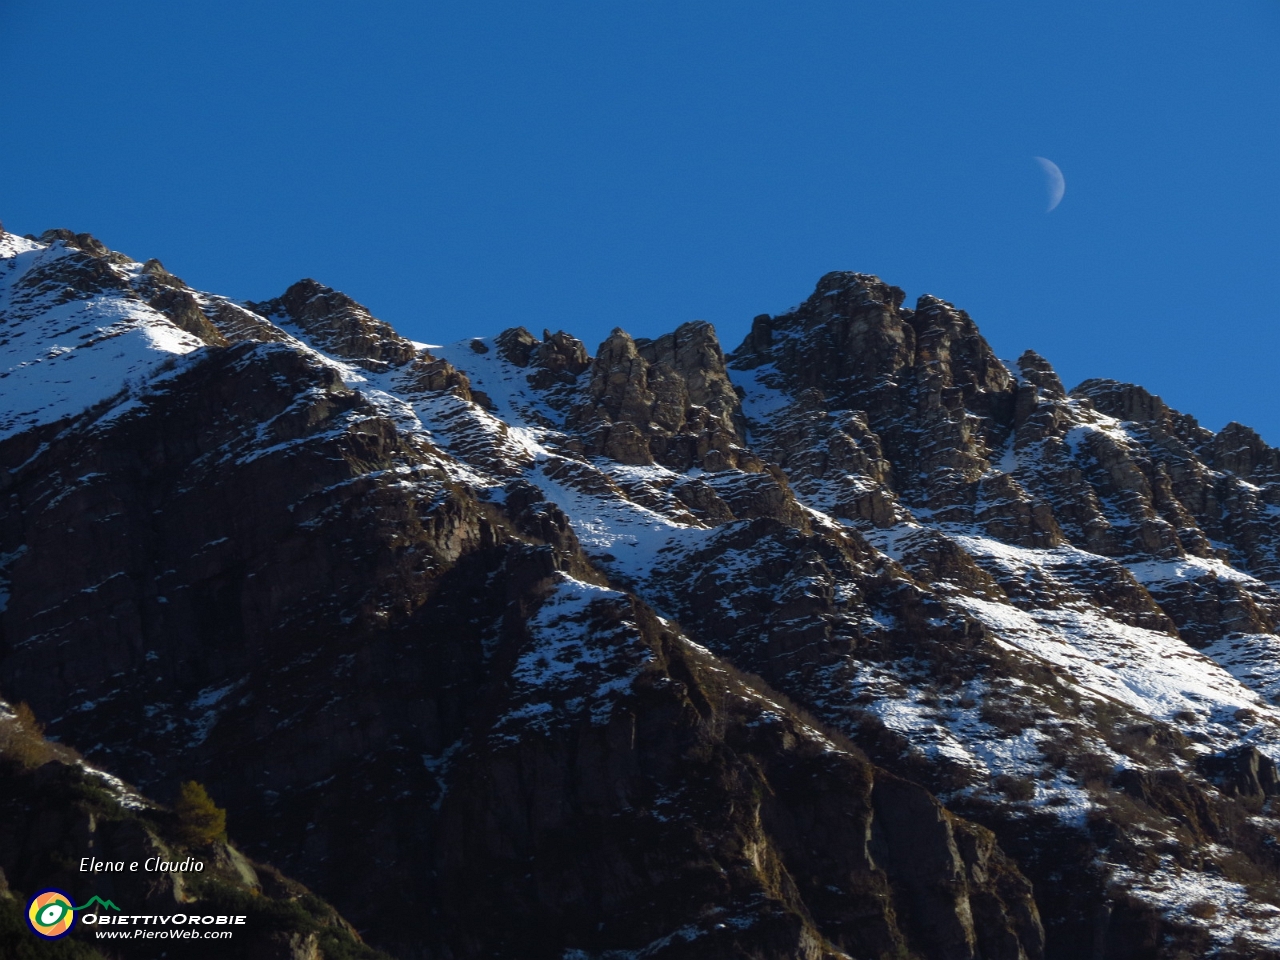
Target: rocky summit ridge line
{"type": "Point", "coordinates": [855, 642]}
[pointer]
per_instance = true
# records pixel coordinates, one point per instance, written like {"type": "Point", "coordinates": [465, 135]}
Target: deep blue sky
{"type": "Point", "coordinates": [463, 167]}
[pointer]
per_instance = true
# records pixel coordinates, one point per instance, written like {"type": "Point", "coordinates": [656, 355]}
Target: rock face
{"type": "Point", "coordinates": [926, 403]}
{"type": "Point", "coordinates": [666, 401]}
{"type": "Point", "coordinates": [1245, 771]}
{"type": "Point", "coordinates": [339, 326]}
{"type": "Point", "coordinates": [856, 643]}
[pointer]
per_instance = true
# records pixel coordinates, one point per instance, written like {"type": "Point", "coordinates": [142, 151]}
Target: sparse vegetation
{"type": "Point", "coordinates": [301, 913]}
{"type": "Point", "coordinates": [1091, 769]}
{"type": "Point", "coordinates": [1008, 716]}
{"type": "Point", "coordinates": [1203, 910]}
{"type": "Point", "coordinates": [1015, 788]}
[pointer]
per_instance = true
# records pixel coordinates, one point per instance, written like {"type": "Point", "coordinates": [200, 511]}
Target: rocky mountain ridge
{"type": "Point", "coordinates": [854, 642]}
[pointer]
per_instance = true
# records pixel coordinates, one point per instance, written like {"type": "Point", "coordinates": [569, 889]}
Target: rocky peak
{"type": "Point", "coordinates": [1124, 401]}
{"type": "Point", "coordinates": [558, 352]}
{"type": "Point", "coordinates": [667, 400]}
{"type": "Point", "coordinates": [927, 391]}
{"type": "Point", "coordinates": [950, 349]}
{"type": "Point", "coordinates": [168, 294]}
{"type": "Point", "coordinates": [557, 357]}
{"type": "Point", "coordinates": [619, 385]}
{"type": "Point", "coordinates": [1036, 370]}
{"type": "Point", "coordinates": [956, 373]}
{"type": "Point", "coordinates": [84, 242]}
{"type": "Point", "coordinates": [1239, 449]}
{"type": "Point", "coordinates": [154, 268]}
{"type": "Point", "coordinates": [618, 407]}
{"type": "Point", "coordinates": [1130, 402]}
{"type": "Point", "coordinates": [339, 325]}
{"type": "Point", "coordinates": [515, 344]}
{"type": "Point", "coordinates": [856, 289]}
{"type": "Point", "coordinates": [852, 339]}
{"type": "Point", "coordinates": [693, 353]}
{"type": "Point", "coordinates": [849, 337]}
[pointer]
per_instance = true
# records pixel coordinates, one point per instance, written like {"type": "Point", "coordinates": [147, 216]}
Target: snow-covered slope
{"type": "Point", "coordinates": [64, 349]}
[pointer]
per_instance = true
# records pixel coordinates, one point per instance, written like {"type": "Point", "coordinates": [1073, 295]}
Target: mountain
{"type": "Point", "coordinates": [853, 642]}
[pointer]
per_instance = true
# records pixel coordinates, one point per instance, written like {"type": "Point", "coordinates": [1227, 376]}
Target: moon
{"type": "Point", "coordinates": [1054, 183]}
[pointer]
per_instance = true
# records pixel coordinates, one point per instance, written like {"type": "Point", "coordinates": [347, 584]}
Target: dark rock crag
{"type": "Point", "coordinates": [666, 401]}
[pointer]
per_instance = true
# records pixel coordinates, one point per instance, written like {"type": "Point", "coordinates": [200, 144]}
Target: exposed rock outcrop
{"type": "Point", "coordinates": [335, 323]}
{"type": "Point", "coordinates": [1244, 772]}
{"type": "Point", "coordinates": [174, 299]}
{"type": "Point", "coordinates": [667, 401]}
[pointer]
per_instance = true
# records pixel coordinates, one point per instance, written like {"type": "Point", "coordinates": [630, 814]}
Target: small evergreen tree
{"type": "Point", "coordinates": [200, 820]}
{"type": "Point", "coordinates": [27, 719]}
{"type": "Point", "coordinates": [22, 738]}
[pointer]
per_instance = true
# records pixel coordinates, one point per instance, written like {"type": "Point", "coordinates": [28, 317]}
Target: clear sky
{"type": "Point", "coordinates": [467, 166]}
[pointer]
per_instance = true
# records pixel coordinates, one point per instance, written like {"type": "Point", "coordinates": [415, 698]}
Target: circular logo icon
{"type": "Point", "coordinates": [50, 914]}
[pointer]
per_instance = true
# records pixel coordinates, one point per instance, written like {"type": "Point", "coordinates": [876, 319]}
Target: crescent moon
{"type": "Point", "coordinates": [1053, 182]}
